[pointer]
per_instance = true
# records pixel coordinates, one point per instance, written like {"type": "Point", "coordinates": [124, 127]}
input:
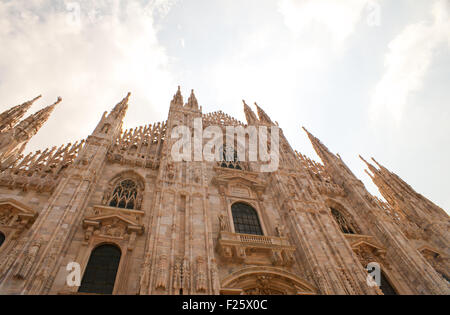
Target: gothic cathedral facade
{"type": "Point", "coordinates": [119, 210]}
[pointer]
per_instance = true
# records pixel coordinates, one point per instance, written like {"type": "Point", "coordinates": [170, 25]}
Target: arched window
{"type": "Point", "coordinates": [245, 219]}
{"type": "Point", "coordinates": [124, 195]}
{"type": "Point", "coordinates": [2, 238]}
{"type": "Point", "coordinates": [229, 158]}
{"type": "Point", "coordinates": [344, 225]}
{"type": "Point", "coordinates": [385, 286]}
{"type": "Point", "coordinates": [101, 270]}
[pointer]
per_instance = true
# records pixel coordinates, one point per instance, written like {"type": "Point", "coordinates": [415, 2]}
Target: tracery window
{"type": "Point", "coordinates": [229, 158]}
{"type": "Point", "coordinates": [344, 225]}
{"type": "Point", "coordinates": [124, 195]}
{"type": "Point", "coordinates": [385, 286]}
{"type": "Point", "coordinates": [2, 238]}
{"type": "Point", "coordinates": [101, 270]}
{"type": "Point", "coordinates": [245, 219]}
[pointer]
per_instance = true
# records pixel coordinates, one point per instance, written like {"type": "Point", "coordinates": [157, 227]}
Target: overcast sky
{"type": "Point", "coordinates": [365, 77]}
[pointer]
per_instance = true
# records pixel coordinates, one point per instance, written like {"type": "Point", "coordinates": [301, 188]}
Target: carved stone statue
{"type": "Point", "coordinates": [280, 230]}
{"type": "Point", "coordinates": [223, 223]}
{"type": "Point", "coordinates": [161, 279]}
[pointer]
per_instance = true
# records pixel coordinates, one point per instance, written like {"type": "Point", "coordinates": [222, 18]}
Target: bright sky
{"type": "Point", "coordinates": [366, 77]}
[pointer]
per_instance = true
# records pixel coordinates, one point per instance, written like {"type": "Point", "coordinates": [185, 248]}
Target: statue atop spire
{"type": "Point", "coordinates": [192, 101]}
{"type": "Point", "coordinates": [10, 117]}
{"type": "Point", "coordinates": [177, 98]}
{"type": "Point", "coordinates": [249, 114]}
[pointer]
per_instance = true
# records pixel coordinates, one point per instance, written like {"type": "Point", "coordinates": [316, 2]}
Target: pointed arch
{"type": "Point", "coordinates": [267, 280]}
{"type": "Point", "coordinates": [246, 219]}
{"type": "Point", "coordinates": [125, 190]}
{"type": "Point", "coordinates": [101, 270]}
{"type": "Point", "coordinates": [342, 217]}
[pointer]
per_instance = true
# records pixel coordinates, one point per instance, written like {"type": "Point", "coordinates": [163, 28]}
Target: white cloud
{"type": "Point", "coordinates": [410, 55]}
{"type": "Point", "coordinates": [268, 64]}
{"type": "Point", "coordinates": [331, 20]}
{"type": "Point", "coordinates": [91, 54]}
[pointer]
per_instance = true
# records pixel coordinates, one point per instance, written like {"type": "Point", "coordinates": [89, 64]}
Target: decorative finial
{"type": "Point", "coordinates": [36, 98]}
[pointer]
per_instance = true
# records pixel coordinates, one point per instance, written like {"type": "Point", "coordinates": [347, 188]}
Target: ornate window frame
{"type": "Point", "coordinates": [242, 187]}
{"type": "Point", "coordinates": [265, 279]}
{"type": "Point", "coordinates": [255, 207]}
{"type": "Point", "coordinates": [332, 204]}
{"type": "Point", "coordinates": [120, 178]}
{"type": "Point", "coordinates": [121, 274]}
{"type": "Point", "coordinates": [15, 217]}
{"type": "Point", "coordinates": [116, 226]}
{"type": "Point", "coordinates": [93, 248]}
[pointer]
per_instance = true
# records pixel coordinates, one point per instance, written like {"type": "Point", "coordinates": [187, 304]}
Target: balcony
{"type": "Point", "coordinates": [255, 249]}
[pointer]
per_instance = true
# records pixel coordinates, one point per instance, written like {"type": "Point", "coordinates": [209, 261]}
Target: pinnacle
{"type": "Point", "coordinates": [59, 100]}
{"type": "Point", "coordinates": [262, 115]}
{"type": "Point", "coordinates": [12, 116]}
{"type": "Point", "coordinates": [36, 98]}
{"type": "Point", "coordinates": [192, 101]}
{"type": "Point", "coordinates": [177, 98]}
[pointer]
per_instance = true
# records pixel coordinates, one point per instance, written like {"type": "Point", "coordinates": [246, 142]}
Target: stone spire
{"type": "Point", "coordinates": [392, 187]}
{"type": "Point", "coordinates": [263, 117]}
{"type": "Point", "coordinates": [120, 109]}
{"type": "Point", "coordinates": [426, 217]}
{"type": "Point", "coordinates": [370, 166]}
{"type": "Point", "coordinates": [249, 114]}
{"type": "Point", "coordinates": [177, 99]}
{"type": "Point", "coordinates": [192, 101]}
{"type": "Point", "coordinates": [322, 151]}
{"type": "Point", "coordinates": [333, 162]}
{"type": "Point", "coordinates": [31, 125]}
{"type": "Point", "coordinates": [10, 117]}
{"type": "Point", "coordinates": [13, 141]}
{"type": "Point", "coordinates": [110, 125]}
